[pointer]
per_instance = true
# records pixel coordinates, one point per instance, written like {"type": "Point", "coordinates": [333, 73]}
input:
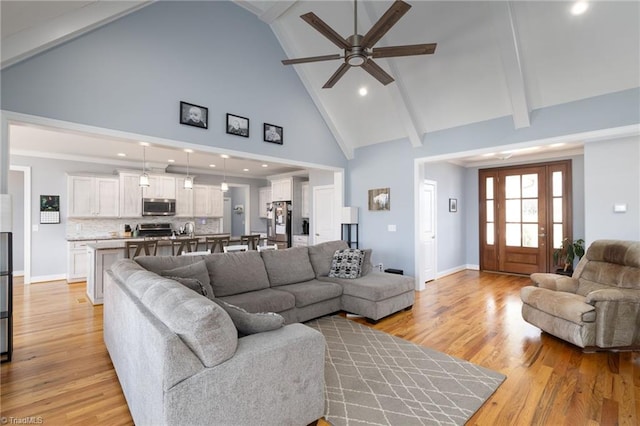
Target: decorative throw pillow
{"type": "Point", "coordinates": [346, 263]}
{"type": "Point", "coordinates": [251, 323]}
{"type": "Point", "coordinates": [191, 283]}
{"type": "Point", "coordinates": [197, 270]}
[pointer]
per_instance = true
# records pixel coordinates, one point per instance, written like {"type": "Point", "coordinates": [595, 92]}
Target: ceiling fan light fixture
{"type": "Point", "coordinates": [356, 59]}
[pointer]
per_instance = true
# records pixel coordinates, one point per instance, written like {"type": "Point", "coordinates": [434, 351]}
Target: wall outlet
{"type": "Point", "coordinates": [380, 267]}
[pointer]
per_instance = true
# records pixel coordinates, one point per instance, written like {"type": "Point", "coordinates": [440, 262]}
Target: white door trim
{"type": "Point", "coordinates": [26, 170]}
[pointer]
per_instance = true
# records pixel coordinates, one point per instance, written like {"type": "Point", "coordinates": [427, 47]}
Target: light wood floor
{"type": "Point", "coordinates": [61, 372]}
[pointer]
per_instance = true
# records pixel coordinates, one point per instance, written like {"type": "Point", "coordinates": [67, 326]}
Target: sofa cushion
{"type": "Point", "coordinates": [313, 291]}
{"type": "Point", "coordinates": [197, 270]}
{"type": "Point", "coordinates": [288, 266]}
{"type": "Point", "coordinates": [266, 300]}
{"type": "Point", "coordinates": [321, 256]}
{"type": "Point", "coordinates": [346, 263]}
{"type": "Point", "coordinates": [367, 266]}
{"type": "Point", "coordinates": [235, 273]}
{"type": "Point", "coordinates": [251, 323]}
{"type": "Point", "coordinates": [375, 286]}
{"type": "Point", "coordinates": [203, 325]}
{"type": "Point", "coordinates": [191, 284]}
{"type": "Point", "coordinates": [568, 306]}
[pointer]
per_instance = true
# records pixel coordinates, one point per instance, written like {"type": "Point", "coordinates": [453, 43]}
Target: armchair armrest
{"type": "Point", "coordinates": [613, 295]}
{"type": "Point", "coordinates": [555, 282]}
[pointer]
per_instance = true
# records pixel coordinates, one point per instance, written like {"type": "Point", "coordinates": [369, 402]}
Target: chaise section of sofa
{"type": "Point", "coordinates": [179, 359]}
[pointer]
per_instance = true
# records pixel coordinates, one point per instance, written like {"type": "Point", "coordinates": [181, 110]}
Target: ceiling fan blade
{"type": "Point", "coordinates": [325, 30]}
{"type": "Point", "coordinates": [377, 72]}
{"type": "Point", "coordinates": [406, 50]}
{"type": "Point", "coordinates": [336, 76]}
{"type": "Point", "coordinates": [384, 24]}
{"type": "Point", "coordinates": [310, 59]}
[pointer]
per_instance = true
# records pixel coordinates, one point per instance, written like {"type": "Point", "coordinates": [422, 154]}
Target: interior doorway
{"type": "Point", "coordinates": [427, 226]}
{"type": "Point", "coordinates": [525, 213]}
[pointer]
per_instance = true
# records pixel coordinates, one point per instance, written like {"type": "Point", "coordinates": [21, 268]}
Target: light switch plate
{"type": "Point", "coordinates": [391, 228]}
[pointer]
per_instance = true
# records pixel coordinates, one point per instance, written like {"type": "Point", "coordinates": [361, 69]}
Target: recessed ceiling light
{"type": "Point", "coordinates": [188, 150]}
{"type": "Point", "coordinates": [122, 154]}
{"type": "Point", "coordinates": [363, 91]}
{"type": "Point", "coordinates": [579, 7]}
{"type": "Point", "coordinates": [556, 145]}
{"type": "Point", "coordinates": [224, 156]}
{"type": "Point", "coordinates": [212, 165]}
{"type": "Point", "coordinates": [491, 154]}
{"type": "Point", "coordinates": [245, 170]}
{"type": "Point", "coordinates": [265, 165]}
{"type": "Point", "coordinates": [145, 143]}
{"type": "Point", "coordinates": [171, 160]}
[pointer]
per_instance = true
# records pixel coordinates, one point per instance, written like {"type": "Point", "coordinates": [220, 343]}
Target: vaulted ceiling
{"type": "Point", "coordinates": [493, 58]}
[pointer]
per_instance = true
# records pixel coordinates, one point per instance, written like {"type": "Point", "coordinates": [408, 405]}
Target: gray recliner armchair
{"type": "Point", "coordinates": [598, 307]}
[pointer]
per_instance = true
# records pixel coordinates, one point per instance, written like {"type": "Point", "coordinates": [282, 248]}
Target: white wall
{"type": "Point", "coordinates": [612, 176]}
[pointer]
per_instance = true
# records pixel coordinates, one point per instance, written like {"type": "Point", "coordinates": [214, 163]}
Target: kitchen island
{"type": "Point", "coordinates": [103, 253]}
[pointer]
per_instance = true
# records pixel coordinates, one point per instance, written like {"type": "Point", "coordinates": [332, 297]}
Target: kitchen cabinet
{"type": "Point", "coordinates": [207, 201]}
{"type": "Point", "coordinates": [300, 241]}
{"type": "Point", "coordinates": [304, 200]}
{"type": "Point", "coordinates": [92, 196]}
{"type": "Point", "coordinates": [99, 261]}
{"type": "Point", "coordinates": [264, 197]}
{"type": "Point", "coordinates": [77, 260]}
{"type": "Point", "coordinates": [130, 195]}
{"type": "Point", "coordinates": [160, 186]}
{"type": "Point", "coordinates": [282, 189]}
{"type": "Point", "coordinates": [184, 199]}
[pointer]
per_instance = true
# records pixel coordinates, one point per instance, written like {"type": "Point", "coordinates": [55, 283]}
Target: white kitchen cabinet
{"type": "Point", "coordinates": [130, 195]}
{"type": "Point", "coordinates": [77, 260]}
{"type": "Point", "coordinates": [300, 241]}
{"type": "Point", "coordinates": [160, 186]}
{"type": "Point", "coordinates": [207, 201]}
{"type": "Point", "coordinates": [98, 262]}
{"type": "Point", "coordinates": [282, 189]}
{"type": "Point", "coordinates": [184, 199]}
{"type": "Point", "coordinates": [304, 200]}
{"type": "Point", "coordinates": [264, 200]}
{"type": "Point", "coordinates": [93, 196]}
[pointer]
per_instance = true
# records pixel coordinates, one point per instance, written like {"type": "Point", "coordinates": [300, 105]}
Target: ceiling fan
{"type": "Point", "coordinates": [358, 49]}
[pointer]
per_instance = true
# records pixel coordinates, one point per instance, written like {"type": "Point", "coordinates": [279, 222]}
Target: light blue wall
{"type": "Point", "coordinates": [392, 165]}
{"type": "Point", "coordinates": [130, 75]}
{"type": "Point", "coordinates": [451, 235]}
{"type": "Point", "coordinates": [612, 176]}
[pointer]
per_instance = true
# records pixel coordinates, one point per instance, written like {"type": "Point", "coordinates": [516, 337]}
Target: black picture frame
{"type": "Point", "coordinates": [186, 109]}
{"type": "Point", "coordinates": [272, 133]}
{"type": "Point", "coordinates": [237, 125]}
{"type": "Point", "coordinates": [453, 205]}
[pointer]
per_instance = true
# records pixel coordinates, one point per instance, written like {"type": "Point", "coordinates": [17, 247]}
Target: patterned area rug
{"type": "Point", "coordinates": [373, 378]}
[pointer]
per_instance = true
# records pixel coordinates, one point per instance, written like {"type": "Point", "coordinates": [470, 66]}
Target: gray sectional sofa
{"type": "Point", "coordinates": [179, 357]}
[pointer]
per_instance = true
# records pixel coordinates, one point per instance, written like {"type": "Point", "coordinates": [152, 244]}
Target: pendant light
{"type": "Point", "coordinates": [144, 177]}
{"type": "Point", "coordinates": [188, 181]}
{"type": "Point", "coordinates": [224, 187]}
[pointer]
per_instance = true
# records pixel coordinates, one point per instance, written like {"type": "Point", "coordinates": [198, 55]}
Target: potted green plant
{"type": "Point", "coordinates": [568, 251]}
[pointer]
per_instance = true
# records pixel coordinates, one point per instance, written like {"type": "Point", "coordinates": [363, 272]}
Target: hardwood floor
{"type": "Point", "coordinates": [61, 372]}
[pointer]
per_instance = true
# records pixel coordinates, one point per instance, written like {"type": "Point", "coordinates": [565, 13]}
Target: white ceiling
{"type": "Point", "coordinates": [493, 59]}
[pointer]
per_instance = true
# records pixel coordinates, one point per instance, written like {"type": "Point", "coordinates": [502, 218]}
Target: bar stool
{"type": "Point", "coordinates": [188, 245]}
{"type": "Point", "coordinates": [217, 244]}
{"type": "Point", "coordinates": [150, 248]}
{"type": "Point", "coordinates": [251, 240]}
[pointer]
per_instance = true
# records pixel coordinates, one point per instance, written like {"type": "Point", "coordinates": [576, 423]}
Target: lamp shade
{"type": "Point", "coordinates": [349, 215]}
{"type": "Point", "coordinates": [6, 217]}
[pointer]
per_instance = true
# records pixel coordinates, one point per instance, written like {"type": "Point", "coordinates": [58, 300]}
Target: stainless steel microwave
{"type": "Point", "coordinates": [158, 207]}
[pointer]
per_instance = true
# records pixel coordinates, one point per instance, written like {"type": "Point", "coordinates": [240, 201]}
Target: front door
{"type": "Point", "coordinates": [524, 215]}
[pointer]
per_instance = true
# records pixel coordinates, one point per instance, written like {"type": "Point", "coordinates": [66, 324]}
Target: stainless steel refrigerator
{"type": "Point", "coordinates": [279, 229]}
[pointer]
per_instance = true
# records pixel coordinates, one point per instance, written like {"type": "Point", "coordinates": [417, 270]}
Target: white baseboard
{"type": "Point", "coordinates": [18, 273]}
{"type": "Point", "coordinates": [43, 278]}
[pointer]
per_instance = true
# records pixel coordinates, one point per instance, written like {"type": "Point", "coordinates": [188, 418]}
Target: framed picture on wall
{"type": "Point", "coordinates": [380, 199]}
{"type": "Point", "coordinates": [273, 133]}
{"type": "Point", "coordinates": [194, 115]}
{"type": "Point", "coordinates": [237, 125]}
{"type": "Point", "coordinates": [453, 205]}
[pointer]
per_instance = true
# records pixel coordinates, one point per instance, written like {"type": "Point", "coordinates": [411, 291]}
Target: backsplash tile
{"type": "Point", "coordinates": [101, 228]}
